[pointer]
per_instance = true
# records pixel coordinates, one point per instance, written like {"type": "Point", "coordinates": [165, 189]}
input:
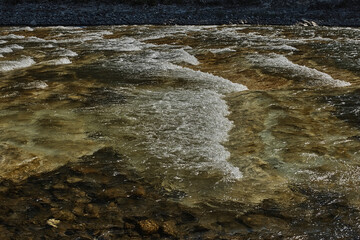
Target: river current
{"type": "Point", "coordinates": [258, 121]}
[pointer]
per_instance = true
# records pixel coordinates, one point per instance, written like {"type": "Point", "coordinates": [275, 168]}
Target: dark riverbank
{"type": "Point", "coordinates": [115, 13]}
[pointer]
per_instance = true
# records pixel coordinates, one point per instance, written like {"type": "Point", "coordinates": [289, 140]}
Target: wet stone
{"type": "Point", "coordinates": [59, 186]}
{"type": "Point", "coordinates": [113, 193]}
{"type": "Point", "coordinates": [53, 222]}
{"type": "Point", "coordinates": [92, 210]}
{"type": "Point", "coordinates": [138, 191]}
{"type": "Point", "coordinates": [129, 225]}
{"type": "Point", "coordinates": [64, 215]}
{"type": "Point", "coordinates": [78, 210]}
{"type": "Point", "coordinates": [148, 226]}
{"type": "Point", "coordinates": [74, 180]}
{"type": "Point", "coordinates": [169, 228]}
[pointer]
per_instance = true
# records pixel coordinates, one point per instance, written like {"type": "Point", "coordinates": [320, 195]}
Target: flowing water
{"type": "Point", "coordinates": [258, 121]}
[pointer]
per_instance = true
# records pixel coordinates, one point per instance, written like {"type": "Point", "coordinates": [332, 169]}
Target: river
{"type": "Point", "coordinates": [253, 128]}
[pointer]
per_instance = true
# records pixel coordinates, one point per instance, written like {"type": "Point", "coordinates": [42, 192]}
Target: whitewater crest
{"type": "Point", "coordinates": [12, 65]}
{"type": "Point", "coordinates": [185, 125]}
{"type": "Point", "coordinates": [60, 61]}
{"type": "Point", "coordinates": [279, 64]}
{"type": "Point", "coordinates": [33, 85]}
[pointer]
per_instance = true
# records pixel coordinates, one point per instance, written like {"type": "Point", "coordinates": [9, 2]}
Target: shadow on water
{"type": "Point", "coordinates": [99, 198]}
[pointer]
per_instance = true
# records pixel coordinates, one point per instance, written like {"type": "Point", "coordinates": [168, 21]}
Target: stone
{"type": "Point", "coordinates": [129, 226]}
{"type": "Point", "coordinates": [93, 210]}
{"type": "Point", "coordinates": [53, 222]}
{"type": "Point", "coordinates": [148, 226]}
{"type": "Point", "coordinates": [169, 228]}
{"type": "Point", "coordinates": [78, 210]}
{"type": "Point", "coordinates": [73, 180]}
{"type": "Point", "coordinates": [114, 193]}
{"type": "Point", "coordinates": [139, 191]}
{"type": "Point", "coordinates": [64, 215]}
{"type": "Point", "coordinates": [59, 186]}
{"type": "Point", "coordinates": [112, 206]}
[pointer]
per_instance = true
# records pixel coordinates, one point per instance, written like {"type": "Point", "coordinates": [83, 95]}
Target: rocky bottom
{"type": "Point", "coordinates": [98, 198]}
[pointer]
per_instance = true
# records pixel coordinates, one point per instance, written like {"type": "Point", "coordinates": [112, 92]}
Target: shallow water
{"type": "Point", "coordinates": [254, 127]}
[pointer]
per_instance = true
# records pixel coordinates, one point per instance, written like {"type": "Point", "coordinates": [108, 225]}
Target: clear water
{"type": "Point", "coordinates": [242, 114]}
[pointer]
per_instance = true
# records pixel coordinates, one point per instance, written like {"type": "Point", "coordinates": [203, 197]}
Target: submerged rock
{"type": "Point", "coordinates": [53, 222]}
{"type": "Point", "coordinates": [169, 228]}
{"type": "Point", "coordinates": [139, 191]}
{"type": "Point", "coordinates": [148, 226]}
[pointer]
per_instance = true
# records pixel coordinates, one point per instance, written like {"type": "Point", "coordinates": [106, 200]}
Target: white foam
{"type": "Point", "coordinates": [174, 56]}
{"type": "Point", "coordinates": [278, 63]}
{"type": "Point", "coordinates": [203, 79]}
{"type": "Point", "coordinates": [35, 39]}
{"type": "Point", "coordinates": [33, 85]}
{"type": "Point", "coordinates": [6, 50]}
{"type": "Point", "coordinates": [60, 61]}
{"type": "Point", "coordinates": [16, 46]}
{"type": "Point", "coordinates": [125, 44]}
{"type": "Point", "coordinates": [12, 65]}
{"type": "Point", "coordinates": [222, 50]}
{"type": "Point", "coordinates": [284, 47]}
{"type": "Point", "coordinates": [184, 56]}
{"type": "Point", "coordinates": [48, 46]}
{"type": "Point", "coordinates": [105, 32]}
{"type": "Point", "coordinates": [67, 53]}
{"type": "Point", "coordinates": [17, 29]}
{"type": "Point", "coordinates": [186, 126]}
{"type": "Point", "coordinates": [91, 36]}
{"type": "Point", "coordinates": [161, 64]}
{"type": "Point", "coordinates": [65, 27]}
{"type": "Point", "coordinates": [185, 130]}
{"type": "Point", "coordinates": [10, 48]}
{"type": "Point", "coordinates": [12, 36]}
{"type": "Point", "coordinates": [37, 85]}
{"type": "Point", "coordinates": [3, 41]}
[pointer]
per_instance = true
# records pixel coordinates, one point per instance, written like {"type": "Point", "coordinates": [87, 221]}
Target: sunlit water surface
{"type": "Point", "coordinates": [213, 114]}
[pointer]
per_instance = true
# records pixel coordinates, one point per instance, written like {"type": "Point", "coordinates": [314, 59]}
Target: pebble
{"type": "Point", "coordinates": [53, 222]}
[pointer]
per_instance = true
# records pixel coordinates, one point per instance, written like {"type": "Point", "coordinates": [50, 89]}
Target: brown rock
{"type": "Point", "coordinates": [59, 186]}
{"type": "Point", "coordinates": [169, 228]}
{"type": "Point", "coordinates": [148, 226]}
{"type": "Point", "coordinates": [129, 226]}
{"type": "Point", "coordinates": [53, 222]}
{"type": "Point", "coordinates": [93, 210]}
{"type": "Point", "coordinates": [73, 180]}
{"type": "Point", "coordinates": [64, 215]}
{"type": "Point", "coordinates": [139, 191]}
{"type": "Point", "coordinates": [112, 206]}
{"type": "Point", "coordinates": [259, 220]}
{"type": "Point", "coordinates": [78, 210]}
{"type": "Point", "coordinates": [114, 193]}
